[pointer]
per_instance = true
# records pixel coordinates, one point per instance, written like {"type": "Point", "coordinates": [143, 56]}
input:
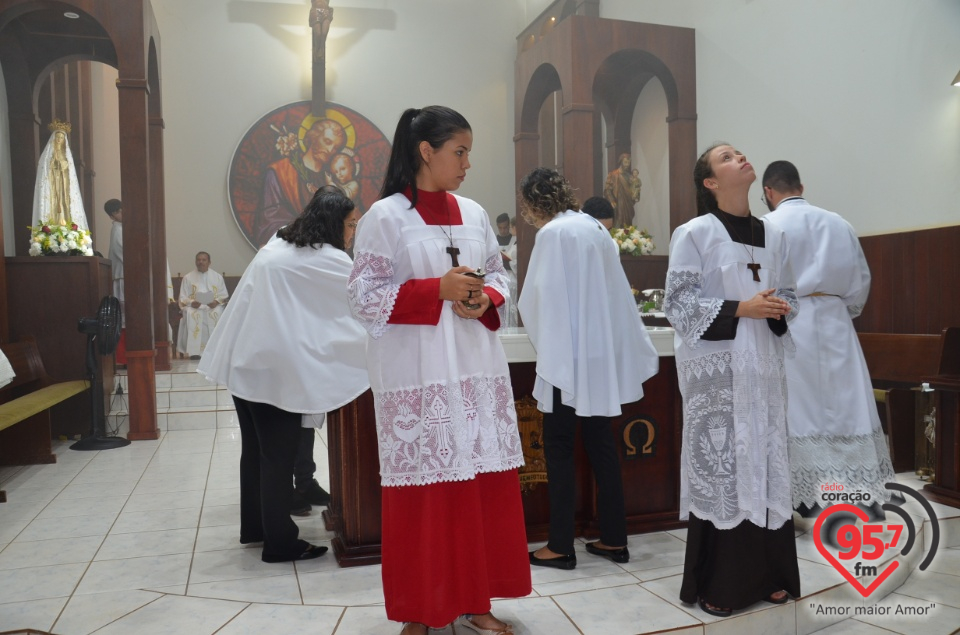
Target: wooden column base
{"type": "Point", "coordinates": [142, 388]}
{"type": "Point", "coordinates": [162, 360]}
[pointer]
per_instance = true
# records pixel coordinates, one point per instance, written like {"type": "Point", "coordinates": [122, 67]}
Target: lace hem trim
{"type": "Point", "coordinates": [770, 519]}
{"type": "Point", "coordinates": [432, 478]}
{"type": "Point", "coordinates": [859, 463]}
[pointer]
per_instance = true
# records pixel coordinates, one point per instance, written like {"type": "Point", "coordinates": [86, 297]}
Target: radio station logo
{"type": "Point", "coordinates": [861, 550]}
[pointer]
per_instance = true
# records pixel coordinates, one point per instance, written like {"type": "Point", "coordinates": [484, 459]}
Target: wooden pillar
{"type": "Point", "coordinates": [158, 247]}
{"type": "Point", "coordinates": [135, 193]}
{"type": "Point", "coordinates": [681, 136]}
{"type": "Point", "coordinates": [577, 139]}
{"type": "Point", "coordinates": [526, 147]}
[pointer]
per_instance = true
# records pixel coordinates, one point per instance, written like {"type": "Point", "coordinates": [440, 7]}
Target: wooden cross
{"type": "Point", "coordinates": [755, 268]}
{"type": "Point", "coordinates": [453, 251]}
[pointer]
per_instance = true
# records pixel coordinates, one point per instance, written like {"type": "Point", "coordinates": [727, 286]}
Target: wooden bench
{"type": "Point", "coordinates": [24, 407]}
{"type": "Point", "coordinates": [898, 363]}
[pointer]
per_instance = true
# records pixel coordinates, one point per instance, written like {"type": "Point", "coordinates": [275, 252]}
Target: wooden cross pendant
{"type": "Point", "coordinates": [453, 251]}
{"type": "Point", "coordinates": [753, 266]}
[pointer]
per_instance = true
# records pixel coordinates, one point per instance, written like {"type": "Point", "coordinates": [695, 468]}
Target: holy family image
{"type": "Point", "coordinates": [290, 153]}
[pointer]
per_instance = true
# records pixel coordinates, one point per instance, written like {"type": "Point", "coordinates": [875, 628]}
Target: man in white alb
{"type": "Point", "coordinates": [832, 422]}
{"type": "Point", "coordinates": [203, 293]}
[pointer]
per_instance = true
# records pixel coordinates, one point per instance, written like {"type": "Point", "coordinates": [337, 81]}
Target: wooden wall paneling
{"type": "Point", "coordinates": [81, 282]}
{"type": "Point", "coordinates": [914, 274]}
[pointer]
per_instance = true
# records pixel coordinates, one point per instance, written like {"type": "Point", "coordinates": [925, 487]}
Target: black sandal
{"type": "Point", "coordinates": [717, 612]}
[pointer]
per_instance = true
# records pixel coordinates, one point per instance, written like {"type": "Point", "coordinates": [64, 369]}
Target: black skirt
{"type": "Point", "coordinates": [734, 568]}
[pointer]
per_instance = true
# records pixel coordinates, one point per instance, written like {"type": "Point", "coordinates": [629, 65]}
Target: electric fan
{"type": "Point", "coordinates": [103, 333]}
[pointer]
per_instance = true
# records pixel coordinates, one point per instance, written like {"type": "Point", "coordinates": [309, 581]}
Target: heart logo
{"type": "Point", "coordinates": [859, 513]}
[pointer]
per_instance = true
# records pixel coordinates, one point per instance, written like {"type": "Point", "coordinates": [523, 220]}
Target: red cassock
{"type": "Point", "coordinates": [449, 547]}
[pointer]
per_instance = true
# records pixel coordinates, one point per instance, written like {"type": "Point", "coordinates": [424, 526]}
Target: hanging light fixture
{"type": "Point", "coordinates": [956, 80]}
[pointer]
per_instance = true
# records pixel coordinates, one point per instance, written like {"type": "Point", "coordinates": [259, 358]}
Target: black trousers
{"type": "Point", "coordinates": [304, 466]}
{"type": "Point", "coordinates": [269, 440]}
{"type": "Point", "coordinates": [559, 434]}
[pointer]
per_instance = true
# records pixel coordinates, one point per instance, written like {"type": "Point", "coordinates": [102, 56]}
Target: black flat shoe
{"type": "Point", "coordinates": [617, 555]}
{"type": "Point", "coordinates": [563, 562]}
{"type": "Point", "coordinates": [713, 611]}
{"type": "Point", "coordinates": [313, 551]}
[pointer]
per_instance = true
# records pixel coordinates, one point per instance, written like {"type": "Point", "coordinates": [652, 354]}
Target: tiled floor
{"type": "Point", "coordinates": [144, 539]}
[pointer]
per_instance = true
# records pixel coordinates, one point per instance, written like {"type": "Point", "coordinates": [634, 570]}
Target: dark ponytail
{"type": "Point", "coordinates": [706, 200]}
{"type": "Point", "coordinates": [433, 124]}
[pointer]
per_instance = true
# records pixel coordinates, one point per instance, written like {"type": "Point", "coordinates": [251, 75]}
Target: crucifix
{"type": "Point", "coordinates": [755, 268]}
{"type": "Point", "coordinates": [454, 252]}
{"type": "Point", "coordinates": [321, 15]}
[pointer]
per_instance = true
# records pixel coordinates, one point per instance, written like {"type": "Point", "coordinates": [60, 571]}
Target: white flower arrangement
{"type": "Point", "coordinates": [632, 241]}
{"type": "Point", "coordinates": [60, 240]}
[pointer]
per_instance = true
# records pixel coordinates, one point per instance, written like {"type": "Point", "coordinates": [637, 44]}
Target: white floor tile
{"type": "Point", "coordinates": [135, 573]}
{"type": "Point", "coordinates": [40, 583]}
{"type": "Point", "coordinates": [216, 566]}
{"type": "Point", "coordinates": [32, 614]}
{"type": "Point", "coordinates": [174, 615]}
{"type": "Point", "coordinates": [86, 613]}
{"type": "Point", "coordinates": [21, 555]}
{"type": "Point", "coordinates": [264, 618]}
{"type": "Point", "coordinates": [148, 543]}
{"type": "Point", "coordinates": [282, 589]}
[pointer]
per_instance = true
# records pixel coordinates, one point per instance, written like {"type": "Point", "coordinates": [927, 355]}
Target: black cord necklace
{"type": "Point", "coordinates": [754, 266]}
{"type": "Point", "coordinates": [453, 251]}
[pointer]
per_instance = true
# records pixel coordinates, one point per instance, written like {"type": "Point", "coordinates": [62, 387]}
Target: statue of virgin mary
{"type": "Point", "coordinates": [56, 197]}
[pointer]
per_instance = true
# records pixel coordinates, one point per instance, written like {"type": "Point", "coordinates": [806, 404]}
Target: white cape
{"type": "Point", "coordinates": [41, 190]}
{"type": "Point", "coordinates": [287, 338]}
{"type": "Point", "coordinates": [583, 321]}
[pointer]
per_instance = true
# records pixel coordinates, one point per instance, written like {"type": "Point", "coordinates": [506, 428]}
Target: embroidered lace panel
{"type": "Point", "coordinates": [447, 432]}
{"type": "Point", "coordinates": [860, 463]}
{"type": "Point", "coordinates": [687, 312]}
{"type": "Point", "coordinates": [371, 292]}
{"type": "Point", "coordinates": [733, 459]}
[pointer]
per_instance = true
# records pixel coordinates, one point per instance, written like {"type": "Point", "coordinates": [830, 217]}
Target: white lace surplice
{"type": "Point", "coordinates": [734, 464]}
{"type": "Point", "coordinates": [442, 393]}
{"type": "Point", "coordinates": [835, 432]}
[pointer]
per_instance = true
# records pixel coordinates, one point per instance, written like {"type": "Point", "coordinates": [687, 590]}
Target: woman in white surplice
{"type": "Point", "coordinates": [312, 361]}
{"type": "Point", "coordinates": [453, 531]}
{"type": "Point", "coordinates": [729, 295]}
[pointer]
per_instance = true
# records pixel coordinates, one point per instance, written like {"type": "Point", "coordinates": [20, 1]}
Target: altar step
{"type": "Point", "coordinates": [185, 400]}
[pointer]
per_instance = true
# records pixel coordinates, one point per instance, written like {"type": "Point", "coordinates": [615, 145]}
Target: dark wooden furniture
{"type": "Point", "coordinates": [576, 73]}
{"type": "Point", "coordinates": [647, 436]}
{"type": "Point", "coordinates": [35, 41]}
{"type": "Point", "coordinates": [897, 364]}
{"type": "Point", "coordinates": [946, 485]}
{"type": "Point", "coordinates": [48, 295]}
{"type": "Point", "coordinates": [25, 406]}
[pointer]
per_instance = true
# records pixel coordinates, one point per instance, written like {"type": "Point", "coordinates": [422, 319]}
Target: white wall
{"type": "Point", "coordinates": [225, 63]}
{"type": "Point", "coordinates": [856, 93]}
{"type": "Point", "coordinates": [106, 152]}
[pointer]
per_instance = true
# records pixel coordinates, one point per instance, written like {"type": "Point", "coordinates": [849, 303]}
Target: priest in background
{"type": "Point", "coordinates": [203, 294]}
{"type": "Point", "coordinates": [832, 422]}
